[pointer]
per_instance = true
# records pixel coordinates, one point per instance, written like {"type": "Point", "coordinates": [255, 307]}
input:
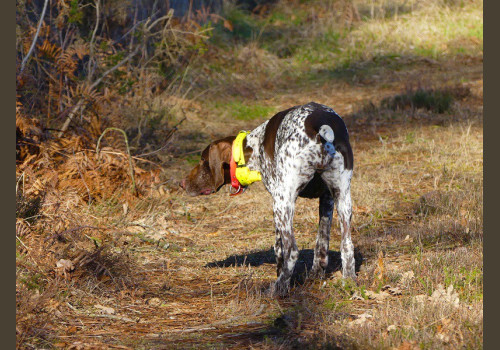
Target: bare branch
{"type": "Point", "coordinates": [94, 84]}
{"type": "Point", "coordinates": [30, 51]}
{"type": "Point", "coordinates": [112, 69]}
{"type": "Point", "coordinates": [90, 71]}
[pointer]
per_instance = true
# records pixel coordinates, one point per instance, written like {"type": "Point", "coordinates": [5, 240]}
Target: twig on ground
{"type": "Point", "coordinates": [205, 326]}
{"type": "Point", "coordinates": [115, 317]}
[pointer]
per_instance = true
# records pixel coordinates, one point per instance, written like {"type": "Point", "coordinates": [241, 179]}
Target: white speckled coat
{"type": "Point", "coordinates": [302, 151]}
{"type": "Point", "coordinates": [298, 160]}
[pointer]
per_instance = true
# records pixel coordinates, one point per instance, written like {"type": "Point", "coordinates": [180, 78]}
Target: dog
{"type": "Point", "coordinates": [302, 151]}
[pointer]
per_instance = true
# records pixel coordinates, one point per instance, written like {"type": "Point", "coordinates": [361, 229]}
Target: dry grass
{"type": "Point", "coordinates": [305, 42]}
{"type": "Point", "coordinates": [417, 196]}
{"type": "Point", "coordinates": [431, 29]}
{"type": "Point", "coordinates": [99, 267]}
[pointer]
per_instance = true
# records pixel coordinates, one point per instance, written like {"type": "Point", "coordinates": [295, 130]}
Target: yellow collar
{"type": "Point", "coordinates": [244, 175]}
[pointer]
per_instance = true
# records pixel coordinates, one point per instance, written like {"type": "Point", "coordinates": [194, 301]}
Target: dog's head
{"type": "Point", "coordinates": [212, 172]}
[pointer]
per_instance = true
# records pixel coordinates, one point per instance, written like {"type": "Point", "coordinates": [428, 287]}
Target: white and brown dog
{"type": "Point", "coordinates": [302, 151]}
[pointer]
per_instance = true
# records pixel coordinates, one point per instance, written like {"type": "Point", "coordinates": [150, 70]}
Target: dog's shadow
{"type": "Point", "coordinates": [302, 267]}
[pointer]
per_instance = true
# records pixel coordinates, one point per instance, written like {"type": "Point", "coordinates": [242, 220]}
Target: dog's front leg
{"type": "Point", "coordinates": [285, 247]}
{"type": "Point", "coordinates": [278, 252]}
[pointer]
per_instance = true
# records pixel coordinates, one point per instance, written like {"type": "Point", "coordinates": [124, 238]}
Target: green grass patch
{"type": "Point", "coordinates": [193, 159]}
{"type": "Point", "coordinates": [33, 281]}
{"type": "Point", "coordinates": [242, 111]}
{"type": "Point", "coordinates": [468, 281]}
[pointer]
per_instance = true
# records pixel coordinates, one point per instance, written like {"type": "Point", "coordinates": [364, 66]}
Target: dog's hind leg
{"type": "Point", "coordinates": [339, 183]}
{"type": "Point", "coordinates": [322, 241]}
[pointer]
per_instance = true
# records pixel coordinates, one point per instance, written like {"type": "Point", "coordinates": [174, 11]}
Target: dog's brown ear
{"type": "Point", "coordinates": [219, 157]}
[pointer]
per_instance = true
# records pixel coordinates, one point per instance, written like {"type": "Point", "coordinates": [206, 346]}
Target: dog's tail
{"type": "Point", "coordinates": [326, 127]}
{"type": "Point", "coordinates": [327, 134]}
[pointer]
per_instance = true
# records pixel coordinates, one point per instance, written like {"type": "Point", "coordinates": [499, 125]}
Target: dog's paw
{"type": "Point", "coordinates": [349, 275]}
{"type": "Point", "coordinates": [317, 272]}
{"type": "Point", "coordinates": [280, 288]}
{"type": "Point", "coordinates": [349, 281]}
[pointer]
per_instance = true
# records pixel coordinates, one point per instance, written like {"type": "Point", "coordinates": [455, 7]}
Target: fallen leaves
{"type": "Point", "coordinates": [446, 295]}
{"type": "Point", "coordinates": [153, 302]}
{"type": "Point", "coordinates": [408, 345]}
{"type": "Point", "coordinates": [391, 328]}
{"type": "Point", "coordinates": [392, 290]}
{"type": "Point", "coordinates": [442, 330]}
{"type": "Point", "coordinates": [71, 330]}
{"type": "Point", "coordinates": [228, 25]}
{"type": "Point", "coordinates": [407, 277]}
{"type": "Point", "coordinates": [379, 271]}
{"type": "Point", "coordinates": [447, 330]}
{"type": "Point", "coordinates": [361, 319]}
{"type": "Point", "coordinates": [64, 267]}
{"type": "Point", "coordinates": [440, 296]}
{"type": "Point", "coordinates": [356, 296]}
{"type": "Point", "coordinates": [385, 292]}
{"type": "Point", "coordinates": [382, 295]}
{"type": "Point", "coordinates": [408, 239]}
{"type": "Point", "coordinates": [105, 309]}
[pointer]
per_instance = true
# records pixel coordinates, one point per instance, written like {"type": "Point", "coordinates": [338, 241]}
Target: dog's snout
{"type": "Point", "coordinates": [183, 183]}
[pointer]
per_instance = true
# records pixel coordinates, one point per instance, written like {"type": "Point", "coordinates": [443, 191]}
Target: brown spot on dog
{"type": "Point", "coordinates": [271, 131]}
